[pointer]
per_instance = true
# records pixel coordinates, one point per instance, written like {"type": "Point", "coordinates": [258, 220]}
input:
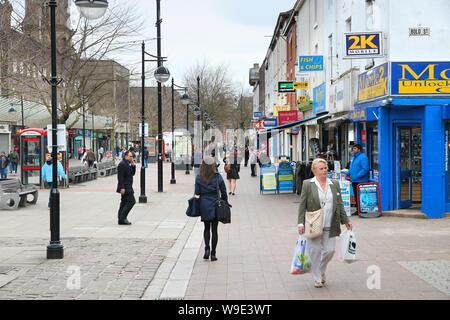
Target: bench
{"type": "Point", "coordinates": [14, 194]}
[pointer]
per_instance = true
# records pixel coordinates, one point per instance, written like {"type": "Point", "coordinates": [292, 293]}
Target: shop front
{"type": "Point", "coordinates": [405, 135]}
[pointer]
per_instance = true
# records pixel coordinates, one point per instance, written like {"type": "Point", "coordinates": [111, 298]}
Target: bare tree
{"type": "Point", "coordinates": [87, 74]}
{"type": "Point", "coordinates": [217, 91]}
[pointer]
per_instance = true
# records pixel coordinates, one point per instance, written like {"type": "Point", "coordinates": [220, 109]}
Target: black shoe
{"type": "Point", "coordinates": [213, 257]}
{"type": "Point", "coordinates": [124, 222]}
{"type": "Point", "coordinates": [233, 194]}
{"type": "Point", "coordinates": [229, 193]}
{"type": "Point", "coordinates": [207, 252]}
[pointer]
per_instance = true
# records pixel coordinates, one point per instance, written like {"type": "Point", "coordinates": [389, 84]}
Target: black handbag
{"type": "Point", "coordinates": [193, 209]}
{"type": "Point", "coordinates": [223, 211]}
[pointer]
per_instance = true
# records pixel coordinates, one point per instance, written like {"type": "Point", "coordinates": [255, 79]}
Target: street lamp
{"type": "Point", "coordinates": [161, 74]}
{"type": "Point", "coordinates": [89, 9]}
{"type": "Point", "coordinates": [13, 110]}
{"type": "Point", "coordinates": [185, 101]}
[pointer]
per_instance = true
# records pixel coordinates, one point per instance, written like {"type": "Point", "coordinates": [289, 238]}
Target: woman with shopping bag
{"type": "Point", "coordinates": [320, 215]}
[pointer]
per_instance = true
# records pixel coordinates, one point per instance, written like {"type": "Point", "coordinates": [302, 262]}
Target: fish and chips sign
{"type": "Point", "coordinates": [420, 78]}
{"type": "Point", "coordinates": [373, 84]}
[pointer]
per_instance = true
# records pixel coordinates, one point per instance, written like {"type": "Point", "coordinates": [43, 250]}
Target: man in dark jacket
{"type": "Point", "coordinates": [125, 173]}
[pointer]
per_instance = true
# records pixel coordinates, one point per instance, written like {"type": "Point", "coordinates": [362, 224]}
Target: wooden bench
{"type": "Point", "coordinates": [14, 194]}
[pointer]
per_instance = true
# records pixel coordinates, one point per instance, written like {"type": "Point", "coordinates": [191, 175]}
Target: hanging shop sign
{"type": "Point", "coordinates": [287, 117]}
{"type": "Point", "coordinates": [320, 98]}
{"type": "Point", "coordinates": [301, 85]}
{"type": "Point", "coordinates": [150, 143]}
{"type": "Point", "coordinates": [310, 63]}
{"type": "Point", "coordinates": [302, 99]}
{"type": "Point", "coordinates": [278, 109]}
{"type": "Point", "coordinates": [257, 114]}
{"type": "Point", "coordinates": [362, 45]}
{"type": "Point", "coordinates": [420, 78]}
{"type": "Point", "coordinates": [373, 84]}
{"type": "Point", "coordinates": [270, 122]}
{"type": "Point", "coordinates": [286, 86]}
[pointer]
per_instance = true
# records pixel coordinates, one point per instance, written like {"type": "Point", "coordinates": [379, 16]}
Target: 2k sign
{"type": "Point", "coordinates": [363, 45]}
{"type": "Point", "coordinates": [417, 78]}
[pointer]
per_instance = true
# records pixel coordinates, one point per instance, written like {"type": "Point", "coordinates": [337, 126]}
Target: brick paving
{"type": "Point", "coordinates": [255, 253]}
{"type": "Point", "coordinates": [108, 268]}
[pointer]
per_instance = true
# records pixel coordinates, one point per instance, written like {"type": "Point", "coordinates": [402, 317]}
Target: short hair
{"type": "Point", "coordinates": [316, 162]}
{"type": "Point", "coordinates": [357, 146]}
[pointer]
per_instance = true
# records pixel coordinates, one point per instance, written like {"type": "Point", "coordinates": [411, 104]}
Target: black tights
{"type": "Point", "coordinates": [207, 235]}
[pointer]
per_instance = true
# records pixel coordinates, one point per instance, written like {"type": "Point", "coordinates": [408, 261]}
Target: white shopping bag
{"type": "Point", "coordinates": [300, 261]}
{"type": "Point", "coordinates": [348, 246]}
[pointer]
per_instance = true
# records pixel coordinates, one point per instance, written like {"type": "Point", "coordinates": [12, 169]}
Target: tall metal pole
{"type": "Point", "coordinates": [143, 197]}
{"type": "Point", "coordinates": [92, 135]}
{"type": "Point", "coordinates": [188, 140]}
{"type": "Point", "coordinates": [173, 180]}
{"type": "Point", "coordinates": [21, 105]}
{"type": "Point", "coordinates": [84, 125]}
{"type": "Point", "coordinates": [201, 109]}
{"type": "Point", "coordinates": [55, 249]}
{"type": "Point", "coordinates": [158, 32]}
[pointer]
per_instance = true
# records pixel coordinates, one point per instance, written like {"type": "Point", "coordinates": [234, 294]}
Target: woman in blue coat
{"type": "Point", "coordinates": [207, 184]}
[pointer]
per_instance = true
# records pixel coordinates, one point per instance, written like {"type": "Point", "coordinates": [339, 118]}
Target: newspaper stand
{"type": "Point", "coordinates": [285, 177]}
{"type": "Point", "coordinates": [268, 179]}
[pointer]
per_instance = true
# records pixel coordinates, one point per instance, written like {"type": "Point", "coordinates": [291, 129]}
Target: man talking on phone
{"type": "Point", "coordinates": [125, 172]}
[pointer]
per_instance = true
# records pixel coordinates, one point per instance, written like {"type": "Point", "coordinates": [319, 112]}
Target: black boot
{"type": "Point", "coordinates": [207, 252]}
{"type": "Point", "coordinates": [213, 256]}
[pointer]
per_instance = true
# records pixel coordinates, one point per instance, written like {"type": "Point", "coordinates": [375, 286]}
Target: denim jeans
{"type": "Point", "coordinates": [4, 173]}
{"type": "Point", "coordinates": [13, 167]}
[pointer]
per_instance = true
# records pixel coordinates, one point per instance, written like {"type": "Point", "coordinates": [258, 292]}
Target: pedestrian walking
{"type": "Point", "coordinates": [89, 157]}
{"type": "Point", "coordinates": [47, 174]}
{"type": "Point", "coordinates": [125, 172]}
{"type": "Point", "coordinates": [207, 186]}
{"type": "Point", "coordinates": [101, 152]}
{"type": "Point", "coordinates": [246, 155]}
{"type": "Point", "coordinates": [322, 193]}
{"type": "Point", "coordinates": [253, 160]}
{"type": "Point", "coordinates": [232, 168]}
{"type": "Point", "coordinates": [145, 157]}
{"type": "Point", "coordinates": [359, 169]}
{"type": "Point", "coordinates": [4, 162]}
{"type": "Point", "coordinates": [14, 161]}
{"type": "Point", "coordinates": [80, 153]}
{"type": "Point", "coordinates": [197, 161]}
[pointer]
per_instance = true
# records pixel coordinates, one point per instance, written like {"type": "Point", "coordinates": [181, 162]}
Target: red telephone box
{"type": "Point", "coordinates": [32, 146]}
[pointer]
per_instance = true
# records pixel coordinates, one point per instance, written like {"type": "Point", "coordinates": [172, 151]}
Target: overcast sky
{"type": "Point", "coordinates": [229, 32]}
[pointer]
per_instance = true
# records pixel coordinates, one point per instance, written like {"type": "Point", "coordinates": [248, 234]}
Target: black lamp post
{"type": "Point", "coordinates": [188, 136]}
{"type": "Point", "coordinates": [91, 9]}
{"type": "Point", "coordinates": [84, 126]}
{"type": "Point", "coordinates": [184, 100]}
{"type": "Point", "coordinates": [161, 74]}
{"type": "Point", "coordinates": [200, 115]}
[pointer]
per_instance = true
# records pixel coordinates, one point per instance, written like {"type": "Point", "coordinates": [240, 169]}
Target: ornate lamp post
{"type": "Point", "coordinates": [185, 101]}
{"type": "Point", "coordinates": [90, 9]}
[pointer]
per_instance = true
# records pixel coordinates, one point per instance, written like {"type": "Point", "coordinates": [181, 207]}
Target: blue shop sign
{"type": "Point", "coordinates": [421, 78]}
{"type": "Point", "coordinates": [257, 114]}
{"type": "Point", "coordinates": [319, 98]}
{"type": "Point", "coordinates": [310, 63]}
{"type": "Point", "coordinates": [270, 122]}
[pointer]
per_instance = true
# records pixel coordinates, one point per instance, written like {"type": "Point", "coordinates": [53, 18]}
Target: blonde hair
{"type": "Point", "coordinates": [316, 162]}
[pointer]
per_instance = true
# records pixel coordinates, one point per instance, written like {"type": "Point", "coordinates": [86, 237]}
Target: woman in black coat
{"type": "Point", "coordinates": [233, 174]}
{"type": "Point", "coordinates": [207, 186]}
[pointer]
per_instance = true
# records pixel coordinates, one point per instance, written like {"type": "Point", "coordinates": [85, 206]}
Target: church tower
{"type": "Point", "coordinates": [36, 23]}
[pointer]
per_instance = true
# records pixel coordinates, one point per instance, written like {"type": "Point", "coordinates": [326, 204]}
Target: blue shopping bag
{"type": "Point", "coordinates": [300, 261]}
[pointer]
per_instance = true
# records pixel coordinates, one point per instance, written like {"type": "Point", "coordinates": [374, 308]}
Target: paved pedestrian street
{"type": "Point", "coordinates": [160, 256]}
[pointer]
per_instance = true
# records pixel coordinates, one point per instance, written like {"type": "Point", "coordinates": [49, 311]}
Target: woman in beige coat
{"type": "Point", "coordinates": [321, 192]}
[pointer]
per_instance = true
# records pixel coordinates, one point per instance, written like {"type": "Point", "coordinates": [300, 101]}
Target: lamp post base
{"type": "Point", "coordinates": [55, 251]}
{"type": "Point", "coordinates": [173, 181]}
{"type": "Point", "coordinates": [142, 199]}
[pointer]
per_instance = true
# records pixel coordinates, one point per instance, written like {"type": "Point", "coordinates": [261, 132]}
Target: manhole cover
{"type": "Point", "coordinates": [5, 269]}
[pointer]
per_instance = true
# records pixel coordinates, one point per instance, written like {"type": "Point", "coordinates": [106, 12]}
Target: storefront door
{"type": "Point", "coordinates": [409, 167]}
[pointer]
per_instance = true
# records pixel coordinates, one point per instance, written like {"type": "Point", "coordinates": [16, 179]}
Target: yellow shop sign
{"type": "Point", "coordinates": [421, 78]}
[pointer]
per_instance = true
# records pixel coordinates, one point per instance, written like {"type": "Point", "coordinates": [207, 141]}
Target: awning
{"type": "Point", "coordinates": [313, 121]}
{"type": "Point", "coordinates": [287, 125]}
{"type": "Point", "coordinates": [337, 119]}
